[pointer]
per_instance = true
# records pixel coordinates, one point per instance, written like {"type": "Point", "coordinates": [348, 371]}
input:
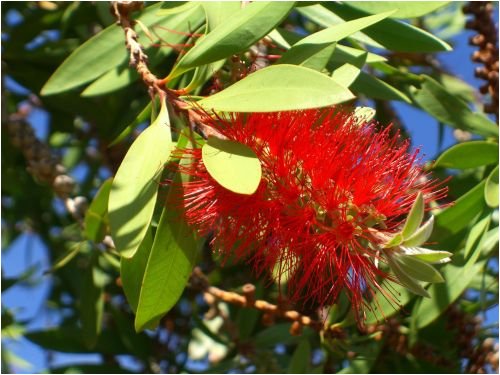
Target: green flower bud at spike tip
{"type": "Point", "coordinates": [414, 217]}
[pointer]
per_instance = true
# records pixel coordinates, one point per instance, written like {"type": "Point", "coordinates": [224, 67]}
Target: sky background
{"type": "Point", "coordinates": [28, 251]}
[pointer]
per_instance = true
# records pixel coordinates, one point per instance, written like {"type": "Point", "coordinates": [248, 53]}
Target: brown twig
{"type": "Point", "coordinates": [212, 294]}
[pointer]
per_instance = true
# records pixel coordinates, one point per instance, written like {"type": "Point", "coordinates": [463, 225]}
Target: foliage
{"type": "Point", "coordinates": [120, 253]}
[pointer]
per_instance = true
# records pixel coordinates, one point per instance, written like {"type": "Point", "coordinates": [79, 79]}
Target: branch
{"type": "Point", "coordinates": [212, 294]}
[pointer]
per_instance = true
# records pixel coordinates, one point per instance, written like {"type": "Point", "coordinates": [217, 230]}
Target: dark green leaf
{"type": "Point", "coordinates": [299, 364]}
{"type": "Point", "coordinates": [123, 75]}
{"type": "Point", "coordinates": [447, 108]}
{"type": "Point", "coordinates": [96, 215]}
{"type": "Point", "coordinates": [393, 35]}
{"type": "Point", "coordinates": [170, 263]}
{"type": "Point", "coordinates": [456, 217]}
{"type": "Point", "coordinates": [91, 308]}
{"type": "Point", "coordinates": [96, 56]}
{"type": "Point", "coordinates": [470, 154]}
{"type": "Point", "coordinates": [239, 32]}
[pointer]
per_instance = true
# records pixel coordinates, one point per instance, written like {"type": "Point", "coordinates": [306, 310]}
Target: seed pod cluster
{"type": "Point", "coordinates": [42, 164]}
{"type": "Point", "coordinates": [486, 40]}
{"type": "Point", "coordinates": [478, 354]}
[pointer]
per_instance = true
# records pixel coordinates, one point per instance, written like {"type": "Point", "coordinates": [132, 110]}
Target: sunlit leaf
{"type": "Point", "coordinates": [232, 164]}
{"type": "Point", "coordinates": [133, 193]}
{"type": "Point", "coordinates": [278, 88]}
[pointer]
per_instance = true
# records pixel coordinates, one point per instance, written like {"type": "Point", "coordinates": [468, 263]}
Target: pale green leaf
{"type": "Point", "coordinates": [133, 193]}
{"type": "Point", "coordinates": [491, 188]}
{"type": "Point", "coordinates": [405, 280]}
{"type": "Point", "coordinates": [278, 88]}
{"type": "Point", "coordinates": [170, 263]}
{"type": "Point", "coordinates": [232, 164]}
{"type": "Point", "coordinates": [418, 269]}
{"type": "Point", "coordinates": [429, 256]}
{"type": "Point", "coordinates": [346, 74]}
{"type": "Point", "coordinates": [132, 270]}
{"type": "Point", "coordinates": [314, 43]}
{"type": "Point", "coordinates": [421, 235]}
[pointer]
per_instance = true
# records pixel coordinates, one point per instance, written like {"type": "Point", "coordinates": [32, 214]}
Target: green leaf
{"type": "Point", "coordinates": [170, 263]}
{"type": "Point", "coordinates": [278, 88]}
{"type": "Point", "coordinates": [324, 17]}
{"type": "Point", "coordinates": [421, 235]}
{"type": "Point", "coordinates": [132, 270]}
{"type": "Point", "coordinates": [375, 88]}
{"type": "Point", "coordinates": [91, 307]}
{"type": "Point", "coordinates": [69, 340]}
{"type": "Point", "coordinates": [404, 9]}
{"type": "Point", "coordinates": [407, 281]}
{"type": "Point", "coordinates": [312, 44]}
{"type": "Point", "coordinates": [347, 73]}
{"type": "Point", "coordinates": [142, 117]}
{"type": "Point", "coordinates": [96, 56]}
{"type": "Point", "coordinates": [67, 257]}
{"type": "Point", "coordinates": [96, 220]}
{"type": "Point", "coordinates": [219, 12]}
{"type": "Point", "coordinates": [476, 234]}
{"type": "Point", "coordinates": [238, 33]}
{"type": "Point", "coordinates": [429, 256]}
{"type": "Point", "coordinates": [133, 193]}
{"type": "Point", "coordinates": [419, 270]}
{"type": "Point", "coordinates": [415, 216]}
{"type": "Point", "coordinates": [123, 75]}
{"type": "Point", "coordinates": [457, 279]}
{"type": "Point", "coordinates": [299, 364]}
{"type": "Point", "coordinates": [279, 334]}
{"type": "Point", "coordinates": [365, 359]}
{"type": "Point", "coordinates": [232, 164]}
{"type": "Point", "coordinates": [393, 35]}
{"type": "Point", "coordinates": [455, 218]}
{"type": "Point", "coordinates": [470, 154]}
{"type": "Point", "coordinates": [491, 188]}
{"type": "Point", "coordinates": [319, 60]}
{"type": "Point", "coordinates": [395, 241]}
{"type": "Point", "coordinates": [382, 307]}
{"type": "Point", "coordinates": [447, 108]}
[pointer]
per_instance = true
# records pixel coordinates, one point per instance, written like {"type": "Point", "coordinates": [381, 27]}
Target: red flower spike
{"type": "Point", "coordinates": [332, 189]}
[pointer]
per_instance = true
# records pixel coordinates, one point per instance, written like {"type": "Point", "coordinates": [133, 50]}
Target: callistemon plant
{"type": "Point", "coordinates": [320, 199]}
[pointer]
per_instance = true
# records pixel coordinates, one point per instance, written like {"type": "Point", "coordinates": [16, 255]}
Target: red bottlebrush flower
{"type": "Point", "coordinates": [333, 189]}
